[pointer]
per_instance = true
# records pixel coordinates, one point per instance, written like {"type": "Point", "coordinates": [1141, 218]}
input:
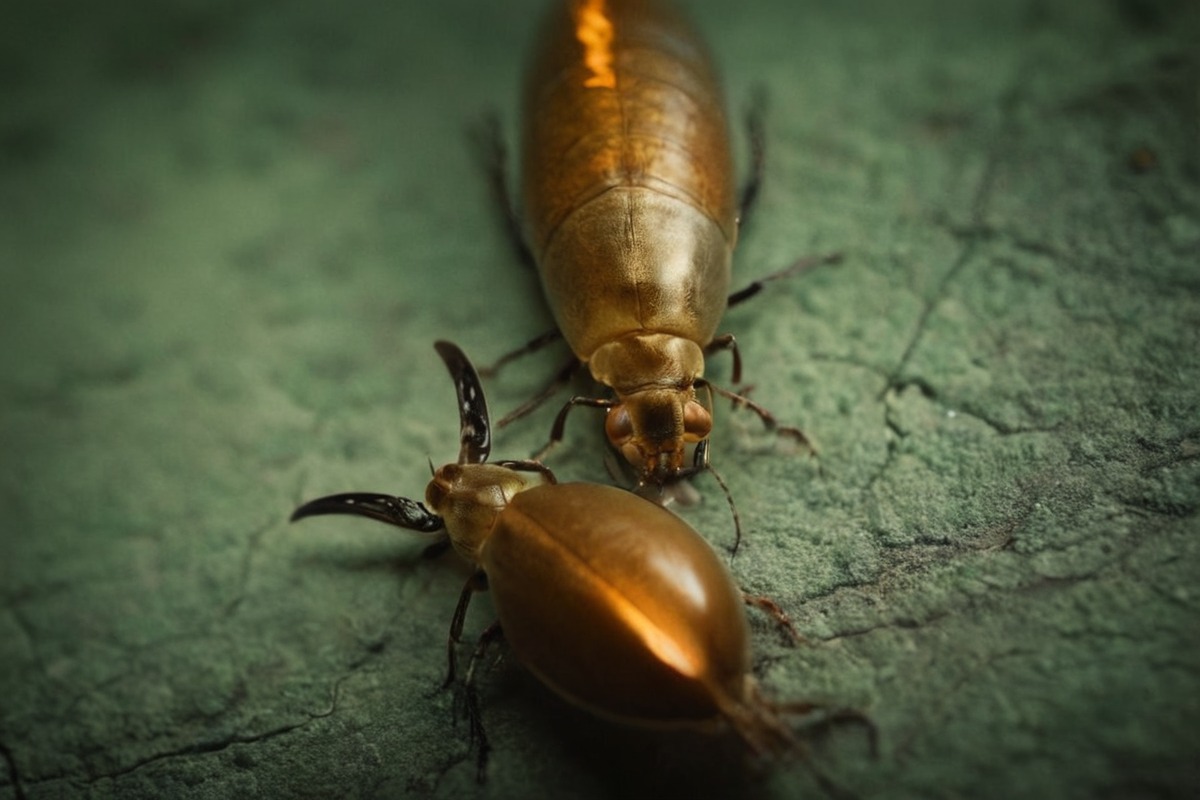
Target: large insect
{"type": "Point", "coordinates": [612, 601]}
{"type": "Point", "coordinates": [629, 211]}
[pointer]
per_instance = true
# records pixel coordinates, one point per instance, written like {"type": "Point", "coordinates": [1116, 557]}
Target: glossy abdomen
{"type": "Point", "coordinates": [618, 605]}
{"type": "Point", "coordinates": [628, 189]}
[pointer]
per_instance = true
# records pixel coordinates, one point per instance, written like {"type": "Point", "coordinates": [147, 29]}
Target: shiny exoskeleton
{"type": "Point", "coordinates": [612, 601]}
{"type": "Point", "coordinates": [630, 213]}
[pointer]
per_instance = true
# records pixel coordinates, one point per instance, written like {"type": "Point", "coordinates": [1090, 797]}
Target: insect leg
{"type": "Point", "coordinates": [561, 378]}
{"type": "Point", "coordinates": [756, 134]}
{"type": "Point", "coordinates": [726, 342]}
{"type": "Point", "coordinates": [476, 583]}
{"type": "Point", "coordinates": [529, 465]}
{"type": "Point", "coordinates": [701, 463]}
{"type": "Point", "coordinates": [532, 346]}
{"type": "Point", "coordinates": [488, 141]}
{"type": "Point", "coordinates": [560, 422]}
{"type": "Point", "coordinates": [823, 718]}
{"type": "Point", "coordinates": [796, 267]}
{"type": "Point", "coordinates": [768, 419]}
{"type": "Point", "coordinates": [478, 737]}
{"type": "Point", "coordinates": [772, 609]}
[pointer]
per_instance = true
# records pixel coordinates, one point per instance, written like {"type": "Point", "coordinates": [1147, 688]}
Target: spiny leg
{"type": "Point", "coordinates": [476, 583]}
{"type": "Point", "coordinates": [795, 268]}
{"type": "Point", "coordinates": [756, 136]}
{"type": "Point", "coordinates": [560, 379]}
{"type": "Point", "coordinates": [740, 400]}
{"type": "Point", "coordinates": [726, 342]}
{"type": "Point", "coordinates": [823, 718]}
{"type": "Point", "coordinates": [478, 736]}
{"type": "Point", "coordinates": [488, 141]}
{"type": "Point", "coordinates": [529, 465]}
{"type": "Point", "coordinates": [773, 610]}
{"type": "Point", "coordinates": [532, 346]}
{"type": "Point", "coordinates": [560, 422]}
{"type": "Point", "coordinates": [701, 463]}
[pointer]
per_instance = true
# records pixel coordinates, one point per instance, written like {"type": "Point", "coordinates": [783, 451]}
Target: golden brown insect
{"type": "Point", "coordinates": [612, 601]}
{"type": "Point", "coordinates": [631, 215]}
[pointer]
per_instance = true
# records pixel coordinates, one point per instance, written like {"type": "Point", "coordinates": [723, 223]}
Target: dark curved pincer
{"type": "Point", "coordinates": [398, 511]}
{"type": "Point", "coordinates": [474, 436]}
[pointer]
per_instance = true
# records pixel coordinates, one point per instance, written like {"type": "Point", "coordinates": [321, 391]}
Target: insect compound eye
{"type": "Point", "coordinates": [442, 486]}
{"type": "Point", "coordinates": [697, 422]}
{"type": "Point", "coordinates": [435, 494]}
{"type": "Point", "coordinates": [618, 426]}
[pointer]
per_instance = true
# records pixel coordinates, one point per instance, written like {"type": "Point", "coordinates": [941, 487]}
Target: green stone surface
{"type": "Point", "coordinates": [230, 232]}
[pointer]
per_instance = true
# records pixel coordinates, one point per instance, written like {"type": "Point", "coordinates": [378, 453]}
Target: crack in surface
{"type": "Point", "coordinates": [1117, 564]}
{"type": "Point", "coordinates": [942, 289]}
{"type": "Point", "coordinates": [213, 745]}
{"type": "Point", "coordinates": [1003, 428]}
{"type": "Point", "coordinates": [904, 623]}
{"type": "Point", "coordinates": [250, 566]}
{"type": "Point", "coordinates": [203, 747]}
{"type": "Point", "coordinates": [1159, 508]}
{"type": "Point", "coordinates": [1181, 449]}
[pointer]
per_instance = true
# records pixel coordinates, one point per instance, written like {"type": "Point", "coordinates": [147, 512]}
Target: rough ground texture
{"type": "Point", "coordinates": [229, 233]}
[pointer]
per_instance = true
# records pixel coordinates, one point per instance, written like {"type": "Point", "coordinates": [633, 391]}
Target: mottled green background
{"type": "Point", "coordinates": [229, 233]}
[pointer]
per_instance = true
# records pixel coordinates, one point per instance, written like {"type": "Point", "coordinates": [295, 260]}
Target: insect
{"type": "Point", "coordinates": [611, 600]}
{"type": "Point", "coordinates": [630, 213]}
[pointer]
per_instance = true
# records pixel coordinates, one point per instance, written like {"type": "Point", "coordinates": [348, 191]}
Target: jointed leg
{"type": "Point", "coordinates": [529, 465]}
{"type": "Point", "coordinates": [560, 379]}
{"type": "Point", "coordinates": [478, 737]}
{"type": "Point", "coordinates": [798, 266]}
{"type": "Point", "coordinates": [700, 463]}
{"type": "Point", "coordinates": [823, 717]}
{"type": "Point", "coordinates": [768, 419]}
{"type": "Point", "coordinates": [772, 609]}
{"type": "Point", "coordinates": [532, 346]}
{"type": "Point", "coordinates": [476, 583]}
{"type": "Point", "coordinates": [756, 134]}
{"type": "Point", "coordinates": [560, 422]}
{"type": "Point", "coordinates": [489, 141]}
{"type": "Point", "coordinates": [726, 342]}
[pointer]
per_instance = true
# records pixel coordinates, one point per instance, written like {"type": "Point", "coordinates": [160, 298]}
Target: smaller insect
{"type": "Point", "coordinates": [612, 601]}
